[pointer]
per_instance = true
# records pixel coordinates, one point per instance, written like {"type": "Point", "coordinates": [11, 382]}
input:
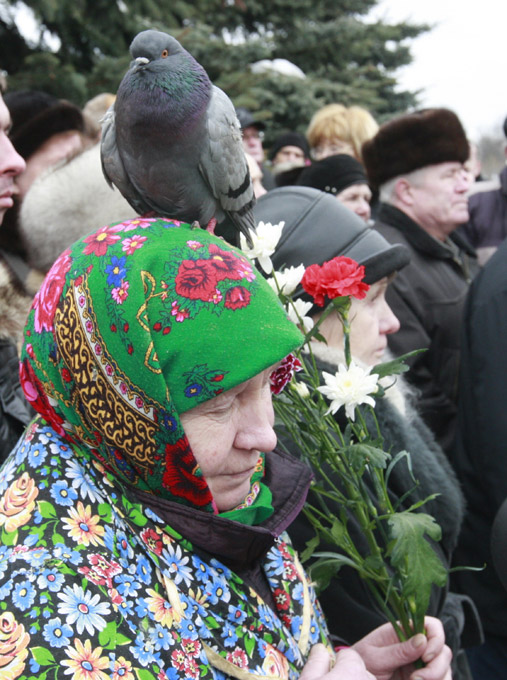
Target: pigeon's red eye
{"type": "Point", "coordinates": [165, 53]}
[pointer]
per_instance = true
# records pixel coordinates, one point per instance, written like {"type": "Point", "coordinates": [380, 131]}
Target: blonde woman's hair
{"type": "Point", "coordinates": [352, 124]}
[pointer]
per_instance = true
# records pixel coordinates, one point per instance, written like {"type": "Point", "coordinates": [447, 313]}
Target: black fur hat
{"type": "Point", "coordinates": [37, 116]}
{"type": "Point", "coordinates": [413, 141]}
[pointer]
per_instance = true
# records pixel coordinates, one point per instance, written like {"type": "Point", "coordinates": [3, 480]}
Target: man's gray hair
{"type": "Point", "coordinates": [386, 191]}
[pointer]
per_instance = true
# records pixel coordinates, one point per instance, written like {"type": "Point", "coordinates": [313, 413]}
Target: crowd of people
{"type": "Point", "coordinates": [149, 522]}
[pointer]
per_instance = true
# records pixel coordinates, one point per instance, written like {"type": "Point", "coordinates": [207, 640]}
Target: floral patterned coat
{"type": "Point", "coordinates": [94, 586]}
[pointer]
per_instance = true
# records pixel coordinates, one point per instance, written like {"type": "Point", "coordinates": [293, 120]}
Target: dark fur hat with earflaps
{"type": "Point", "coordinates": [413, 141]}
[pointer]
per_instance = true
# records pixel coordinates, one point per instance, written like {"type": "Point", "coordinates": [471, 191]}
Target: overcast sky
{"type": "Point", "coordinates": [462, 62]}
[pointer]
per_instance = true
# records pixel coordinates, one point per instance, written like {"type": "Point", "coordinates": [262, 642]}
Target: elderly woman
{"type": "Point", "coordinates": [316, 230]}
{"type": "Point", "coordinates": [143, 514]}
{"type": "Point", "coordinates": [343, 177]}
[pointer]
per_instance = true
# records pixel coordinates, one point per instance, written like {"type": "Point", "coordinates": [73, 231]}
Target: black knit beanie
{"type": "Point", "coordinates": [289, 139]}
{"type": "Point", "coordinates": [333, 174]}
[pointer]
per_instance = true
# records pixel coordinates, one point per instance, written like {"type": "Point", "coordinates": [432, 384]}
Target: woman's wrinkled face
{"type": "Point", "coordinates": [357, 198]}
{"type": "Point", "coordinates": [226, 435]}
{"type": "Point", "coordinates": [371, 321]}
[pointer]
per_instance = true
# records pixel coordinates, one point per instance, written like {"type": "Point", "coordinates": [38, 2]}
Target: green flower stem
{"type": "Point", "coordinates": [329, 449]}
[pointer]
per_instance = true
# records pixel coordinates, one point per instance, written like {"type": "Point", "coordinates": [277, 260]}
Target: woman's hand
{"type": "Point", "coordinates": [389, 659]}
{"type": "Point", "coordinates": [348, 666]}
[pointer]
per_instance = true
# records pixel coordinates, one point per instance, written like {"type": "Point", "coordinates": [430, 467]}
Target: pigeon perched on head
{"type": "Point", "coordinates": [171, 142]}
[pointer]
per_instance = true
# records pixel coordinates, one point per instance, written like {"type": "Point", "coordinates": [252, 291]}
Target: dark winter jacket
{"type": "Point", "coordinates": [480, 454]}
{"type": "Point", "coordinates": [242, 547]}
{"type": "Point", "coordinates": [14, 410]}
{"type": "Point", "coordinates": [428, 296]}
{"type": "Point", "coordinates": [487, 226]}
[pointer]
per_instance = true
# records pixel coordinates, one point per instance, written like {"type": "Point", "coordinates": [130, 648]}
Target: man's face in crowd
{"type": "Point", "coordinates": [252, 143]}
{"type": "Point", "coordinates": [11, 163]}
{"type": "Point", "coordinates": [440, 198]}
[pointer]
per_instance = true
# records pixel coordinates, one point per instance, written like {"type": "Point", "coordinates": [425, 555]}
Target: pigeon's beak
{"type": "Point", "coordinates": [139, 62]}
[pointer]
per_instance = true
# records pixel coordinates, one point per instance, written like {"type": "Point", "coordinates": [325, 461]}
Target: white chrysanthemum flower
{"type": "Point", "coordinates": [349, 387]}
{"type": "Point", "coordinates": [265, 239]}
{"type": "Point", "coordinates": [288, 279]}
{"type": "Point", "coordinates": [301, 388]}
{"type": "Point", "coordinates": [297, 310]}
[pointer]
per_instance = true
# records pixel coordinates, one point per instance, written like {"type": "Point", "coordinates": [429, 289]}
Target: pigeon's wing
{"type": "Point", "coordinates": [112, 164]}
{"type": "Point", "coordinates": [223, 163]}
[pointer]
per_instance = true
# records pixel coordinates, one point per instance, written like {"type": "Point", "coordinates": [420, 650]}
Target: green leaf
{"type": "Point", "coordinates": [417, 562]}
{"type": "Point", "coordinates": [325, 568]}
{"type": "Point", "coordinates": [360, 455]}
{"type": "Point", "coordinates": [311, 545]}
{"type": "Point", "coordinates": [337, 531]}
{"type": "Point", "coordinates": [42, 656]}
{"type": "Point", "coordinates": [143, 674]}
{"type": "Point", "coordinates": [47, 510]}
{"type": "Point", "coordinates": [105, 512]}
{"type": "Point", "coordinates": [249, 644]}
{"type": "Point", "coordinates": [137, 516]}
{"type": "Point", "coordinates": [57, 538]}
{"type": "Point", "coordinates": [109, 637]}
{"type": "Point", "coordinates": [9, 537]}
{"type": "Point", "coordinates": [397, 458]}
{"type": "Point", "coordinates": [396, 366]}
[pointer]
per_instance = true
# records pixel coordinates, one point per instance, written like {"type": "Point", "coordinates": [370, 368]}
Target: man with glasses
{"type": "Point", "coordinates": [253, 134]}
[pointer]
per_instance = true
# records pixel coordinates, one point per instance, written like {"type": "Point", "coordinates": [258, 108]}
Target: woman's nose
{"type": "Point", "coordinates": [363, 210]}
{"type": "Point", "coordinates": [256, 430]}
{"type": "Point", "coordinates": [391, 322]}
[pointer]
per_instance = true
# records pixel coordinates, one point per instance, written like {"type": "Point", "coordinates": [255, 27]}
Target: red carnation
{"type": "Point", "coordinates": [196, 279]}
{"type": "Point", "coordinates": [280, 377]}
{"type": "Point", "coordinates": [312, 284]}
{"type": "Point", "coordinates": [339, 277]}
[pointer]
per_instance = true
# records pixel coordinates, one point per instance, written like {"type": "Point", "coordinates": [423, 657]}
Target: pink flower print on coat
{"type": "Point", "coordinates": [130, 245]}
{"type": "Point", "coordinates": [99, 242]}
{"type": "Point", "coordinates": [120, 294]}
{"type": "Point", "coordinates": [48, 297]}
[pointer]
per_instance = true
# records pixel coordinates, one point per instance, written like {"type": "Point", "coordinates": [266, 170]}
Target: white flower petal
{"type": "Point", "coordinates": [349, 387]}
{"type": "Point", "coordinates": [265, 262]}
{"type": "Point", "coordinates": [264, 241]}
{"type": "Point", "coordinates": [289, 279]}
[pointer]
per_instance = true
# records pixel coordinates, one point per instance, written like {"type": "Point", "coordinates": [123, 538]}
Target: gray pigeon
{"type": "Point", "coordinates": [171, 142]}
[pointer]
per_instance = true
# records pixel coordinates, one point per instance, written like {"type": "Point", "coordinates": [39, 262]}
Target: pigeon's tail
{"type": "Point", "coordinates": [243, 220]}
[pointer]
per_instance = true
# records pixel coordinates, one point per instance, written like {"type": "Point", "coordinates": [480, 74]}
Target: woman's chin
{"type": "Point", "coordinates": [228, 499]}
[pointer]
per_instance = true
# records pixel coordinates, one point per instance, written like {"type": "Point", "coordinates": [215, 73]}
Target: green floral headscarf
{"type": "Point", "coordinates": [137, 323]}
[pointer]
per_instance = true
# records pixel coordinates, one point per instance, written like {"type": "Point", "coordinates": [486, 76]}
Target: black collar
{"type": "Point", "coordinates": [420, 240]}
{"type": "Point", "coordinates": [238, 545]}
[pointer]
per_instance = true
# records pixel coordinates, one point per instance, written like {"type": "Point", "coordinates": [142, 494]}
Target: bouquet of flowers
{"type": "Point", "coordinates": [399, 565]}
